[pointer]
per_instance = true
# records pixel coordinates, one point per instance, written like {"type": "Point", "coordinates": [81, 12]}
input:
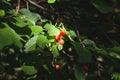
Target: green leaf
{"type": "Point", "coordinates": [8, 36]}
{"type": "Point", "coordinates": [29, 16]}
{"type": "Point", "coordinates": [102, 6]}
{"type": "Point", "coordinates": [72, 33]}
{"type": "Point", "coordinates": [79, 74]}
{"type": "Point", "coordinates": [29, 70]}
{"type": "Point", "coordinates": [55, 51]}
{"type": "Point", "coordinates": [116, 76]}
{"type": "Point", "coordinates": [51, 1]}
{"type": "Point", "coordinates": [42, 41]}
{"type": "Point", "coordinates": [60, 47]}
{"type": "Point", "coordinates": [2, 13]}
{"type": "Point", "coordinates": [90, 44]}
{"type": "Point", "coordinates": [31, 43]}
{"type": "Point", "coordinates": [115, 55]}
{"type": "Point", "coordinates": [36, 29]}
{"type": "Point", "coordinates": [52, 30]}
{"type": "Point", "coordinates": [21, 21]}
{"type": "Point", "coordinates": [84, 55]}
{"type": "Point", "coordinates": [115, 49]}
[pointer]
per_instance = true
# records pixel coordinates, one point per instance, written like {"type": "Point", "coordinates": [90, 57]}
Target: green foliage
{"type": "Point", "coordinates": [55, 51]}
{"type": "Point", "coordinates": [8, 36]}
{"type": "Point", "coordinates": [36, 29]}
{"type": "Point", "coordinates": [79, 74]}
{"type": "Point", "coordinates": [2, 13]}
{"type": "Point", "coordinates": [29, 70]}
{"type": "Point", "coordinates": [102, 6]}
{"type": "Point", "coordinates": [29, 50]}
{"type": "Point", "coordinates": [31, 44]}
{"type": "Point", "coordinates": [84, 55]}
{"type": "Point", "coordinates": [116, 76]}
{"type": "Point", "coordinates": [51, 1]}
{"type": "Point", "coordinates": [52, 30]}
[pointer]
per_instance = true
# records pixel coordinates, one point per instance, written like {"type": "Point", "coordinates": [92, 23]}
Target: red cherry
{"type": "Point", "coordinates": [85, 68]}
{"type": "Point", "coordinates": [62, 32]}
{"type": "Point", "coordinates": [57, 37]}
{"type": "Point", "coordinates": [61, 41]}
{"type": "Point", "coordinates": [57, 67]}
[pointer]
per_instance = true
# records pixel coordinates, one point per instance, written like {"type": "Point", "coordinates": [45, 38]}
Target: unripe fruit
{"type": "Point", "coordinates": [57, 37]}
{"type": "Point", "coordinates": [61, 41]}
{"type": "Point", "coordinates": [62, 32]}
{"type": "Point", "coordinates": [85, 68]}
{"type": "Point", "coordinates": [57, 67]}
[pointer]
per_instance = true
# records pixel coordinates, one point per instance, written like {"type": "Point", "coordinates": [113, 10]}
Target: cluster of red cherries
{"type": "Point", "coordinates": [58, 37]}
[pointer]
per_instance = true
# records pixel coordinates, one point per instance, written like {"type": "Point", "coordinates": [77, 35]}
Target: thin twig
{"type": "Point", "coordinates": [79, 38]}
{"type": "Point", "coordinates": [27, 5]}
{"type": "Point", "coordinates": [37, 5]}
{"type": "Point", "coordinates": [18, 7]}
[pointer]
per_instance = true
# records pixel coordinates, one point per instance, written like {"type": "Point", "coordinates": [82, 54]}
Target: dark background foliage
{"type": "Point", "coordinates": [29, 50]}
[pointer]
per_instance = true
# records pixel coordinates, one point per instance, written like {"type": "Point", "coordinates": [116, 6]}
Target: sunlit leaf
{"type": "Point", "coordinates": [51, 1]}
{"type": "Point", "coordinates": [29, 16]}
{"type": "Point", "coordinates": [52, 30]}
{"type": "Point", "coordinates": [21, 21]}
{"type": "Point", "coordinates": [60, 47]}
{"type": "Point", "coordinates": [115, 55]}
{"type": "Point", "coordinates": [55, 51]}
{"type": "Point", "coordinates": [31, 44]}
{"type": "Point", "coordinates": [42, 41]}
{"type": "Point", "coordinates": [36, 29]}
{"type": "Point", "coordinates": [2, 13]}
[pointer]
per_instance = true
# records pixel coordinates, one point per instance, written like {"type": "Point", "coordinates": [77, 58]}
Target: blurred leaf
{"type": "Point", "coordinates": [115, 55]}
{"type": "Point", "coordinates": [84, 55]}
{"type": "Point", "coordinates": [31, 43]}
{"type": "Point", "coordinates": [52, 30]}
{"type": "Point", "coordinates": [8, 36]}
{"type": "Point", "coordinates": [2, 13]}
{"type": "Point", "coordinates": [116, 76]}
{"type": "Point", "coordinates": [29, 70]}
{"type": "Point", "coordinates": [21, 21]}
{"type": "Point", "coordinates": [36, 29]}
{"type": "Point", "coordinates": [115, 49]}
{"type": "Point", "coordinates": [79, 74]}
{"type": "Point", "coordinates": [102, 5]}
{"type": "Point", "coordinates": [51, 1]}
{"type": "Point", "coordinates": [42, 41]}
{"type": "Point", "coordinates": [72, 33]}
{"type": "Point", "coordinates": [90, 44]}
{"type": "Point", "coordinates": [55, 51]}
{"type": "Point", "coordinates": [29, 16]}
{"type": "Point", "coordinates": [60, 47]}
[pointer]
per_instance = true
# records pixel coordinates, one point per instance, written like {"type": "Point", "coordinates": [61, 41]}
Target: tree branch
{"type": "Point", "coordinates": [35, 4]}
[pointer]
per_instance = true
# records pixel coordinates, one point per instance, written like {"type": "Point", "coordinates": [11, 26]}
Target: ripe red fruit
{"type": "Point", "coordinates": [62, 32]}
{"type": "Point", "coordinates": [57, 67]}
{"type": "Point", "coordinates": [85, 68]}
{"type": "Point", "coordinates": [57, 37]}
{"type": "Point", "coordinates": [61, 41]}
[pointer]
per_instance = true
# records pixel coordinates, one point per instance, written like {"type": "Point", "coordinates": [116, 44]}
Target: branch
{"type": "Point", "coordinates": [18, 7]}
{"type": "Point", "coordinates": [35, 4]}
